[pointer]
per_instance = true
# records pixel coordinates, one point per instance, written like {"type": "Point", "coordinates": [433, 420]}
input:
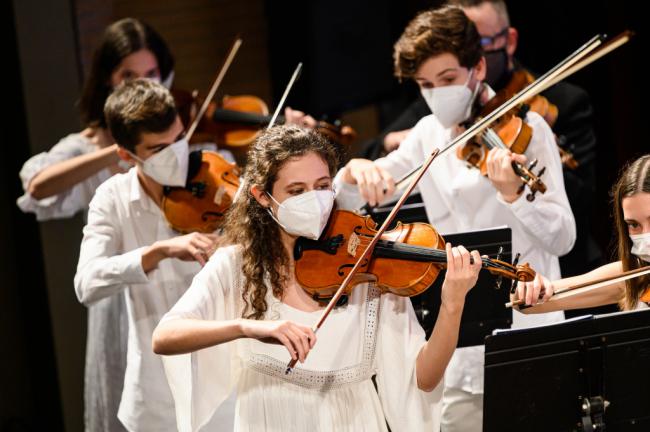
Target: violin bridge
{"type": "Point", "coordinates": [353, 244]}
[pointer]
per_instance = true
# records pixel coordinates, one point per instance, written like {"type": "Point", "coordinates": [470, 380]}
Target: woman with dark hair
{"type": "Point", "coordinates": [245, 315]}
{"type": "Point", "coordinates": [631, 202]}
{"type": "Point", "coordinates": [61, 182]}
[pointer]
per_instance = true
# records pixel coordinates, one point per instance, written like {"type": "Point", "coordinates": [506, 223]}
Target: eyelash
{"type": "Point", "coordinates": [300, 191]}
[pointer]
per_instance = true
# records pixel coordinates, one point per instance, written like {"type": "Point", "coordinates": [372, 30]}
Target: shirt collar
{"type": "Point", "coordinates": [137, 193]}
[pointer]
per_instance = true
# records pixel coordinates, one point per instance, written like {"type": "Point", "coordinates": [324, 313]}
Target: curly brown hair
{"type": "Point", "coordinates": [249, 224]}
{"type": "Point", "coordinates": [434, 32]}
{"type": "Point", "coordinates": [634, 179]}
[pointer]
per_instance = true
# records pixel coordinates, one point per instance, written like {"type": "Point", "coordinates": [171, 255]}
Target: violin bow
{"type": "Point", "coordinates": [589, 286]}
{"type": "Point", "coordinates": [215, 85]}
{"type": "Point", "coordinates": [416, 174]}
{"type": "Point", "coordinates": [294, 77]}
{"type": "Point", "coordinates": [583, 56]}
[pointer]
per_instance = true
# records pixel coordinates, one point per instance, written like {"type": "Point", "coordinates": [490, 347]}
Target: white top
{"type": "Point", "coordinates": [75, 199]}
{"type": "Point", "coordinates": [332, 390]}
{"type": "Point", "coordinates": [122, 221]}
{"type": "Point", "coordinates": [458, 198]}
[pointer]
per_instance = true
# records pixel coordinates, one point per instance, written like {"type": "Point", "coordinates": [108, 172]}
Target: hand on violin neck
{"type": "Point", "coordinates": [299, 118]}
{"type": "Point", "coordinates": [375, 183]}
{"type": "Point", "coordinates": [502, 175]}
{"type": "Point", "coordinates": [537, 291]}
{"type": "Point", "coordinates": [463, 268]}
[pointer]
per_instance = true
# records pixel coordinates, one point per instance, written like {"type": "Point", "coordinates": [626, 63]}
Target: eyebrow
{"type": "Point", "coordinates": [178, 137]}
{"type": "Point", "coordinates": [303, 183]}
{"type": "Point", "coordinates": [447, 70]}
{"type": "Point", "coordinates": [417, 78]}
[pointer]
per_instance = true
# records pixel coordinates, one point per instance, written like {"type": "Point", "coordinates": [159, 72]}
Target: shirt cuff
{"type": "Point", "coordinates": [516, 204]}
{"type": "Point", "coordinates": [129, 265]}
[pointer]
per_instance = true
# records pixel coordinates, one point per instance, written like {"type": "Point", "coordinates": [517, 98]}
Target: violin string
{"type": "Point", "coordinates": [431, 252]}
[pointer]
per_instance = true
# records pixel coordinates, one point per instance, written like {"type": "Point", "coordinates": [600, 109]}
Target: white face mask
{"type": "Point", "coordinates": [641, 246]}
{"type": "Point", "coordinates": [452, 104]}
{"type": "Point", "coordinates": [306, 214]}
{"type": "Point", "coordinates": [168, 81]}
{"type": "Point", "coordinates": [169, 166]}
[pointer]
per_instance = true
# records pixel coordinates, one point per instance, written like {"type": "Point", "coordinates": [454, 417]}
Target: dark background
{"type": "Point", "coordinates": [346, 47]}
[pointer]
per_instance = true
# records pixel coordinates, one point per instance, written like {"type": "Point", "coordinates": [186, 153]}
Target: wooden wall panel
{"type": "Point", "coordinates": [200, 32]}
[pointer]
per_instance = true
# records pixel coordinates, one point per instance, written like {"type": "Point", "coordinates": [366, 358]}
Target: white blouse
{"type": "Point", "coordinates": [75, 199]}
{"type": "Point", "coordinates": [332, 390]}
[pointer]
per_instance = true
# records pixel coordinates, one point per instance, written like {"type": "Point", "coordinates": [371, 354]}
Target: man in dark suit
{"type": "Point", "coordinates": [573, 127]}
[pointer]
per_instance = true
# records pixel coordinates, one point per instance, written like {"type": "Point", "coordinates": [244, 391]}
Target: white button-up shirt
{"type": "Point", "coordinates": [458, 198]}
{"type": "Point", "coordinates": [122, 221]}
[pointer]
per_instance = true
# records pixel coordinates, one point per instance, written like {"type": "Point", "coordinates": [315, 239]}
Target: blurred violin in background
{"type": "Point", "coordinates": [237, 120]}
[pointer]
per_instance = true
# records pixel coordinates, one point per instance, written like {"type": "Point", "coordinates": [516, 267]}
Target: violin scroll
{"type": "Point", "coordinates": [533, 181]}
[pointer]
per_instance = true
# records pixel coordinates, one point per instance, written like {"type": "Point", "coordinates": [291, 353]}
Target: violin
{"type": "Point", "coordinates": [212, 183]}
{"type": "Point", "coordinates": [539, 104]}
{"type": "Point", "coordinates": [416, 249]}
{"type": "Point", "coordinates": [509, 132]}
{"type": "Point", "coordinates": [238, 120]}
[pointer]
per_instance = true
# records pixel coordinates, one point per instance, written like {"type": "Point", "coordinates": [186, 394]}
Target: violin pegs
{"type": "Point", "coordinates": [541, 172]}
{"type": "Point", "coordinates": [499, 252]}
{"type": "Point", "coordinates": [532, 164]}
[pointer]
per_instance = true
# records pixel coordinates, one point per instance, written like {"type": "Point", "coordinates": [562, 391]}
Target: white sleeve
{"type": "Point", "coordinates": [397, 163]}
{"type": "Point", "coordinates": [548, 219]}
{"type": "Point", "coordinates": [65, 204]}
{"type": "Point", "coordinates": [399, 342]}
{"type": "Point", "coordinates": [203, 380]}
{"type": "Point", "coordinates": [103, 270]}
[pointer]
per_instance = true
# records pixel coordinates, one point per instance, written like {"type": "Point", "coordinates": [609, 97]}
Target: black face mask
{"type": "Point", "coordinates": [497, 68]}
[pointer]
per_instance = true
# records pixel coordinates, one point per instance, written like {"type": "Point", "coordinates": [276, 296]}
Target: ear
{"type": "Point", "coordinates": [125, 155]}
{"type": "Point", "coordinates": [260, 196]}
{"type": "Point", "coordinates": [480, 70]}
{"type": "Point", "coordinates": [511, 42]}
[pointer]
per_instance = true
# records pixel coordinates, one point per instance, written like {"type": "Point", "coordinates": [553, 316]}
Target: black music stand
{"type": "Point", "coordinates": [587, 374]}
{"type": "Point", "coordinates": [412, 211]}
{"type": "Point", "coordinates": [484, 310]}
